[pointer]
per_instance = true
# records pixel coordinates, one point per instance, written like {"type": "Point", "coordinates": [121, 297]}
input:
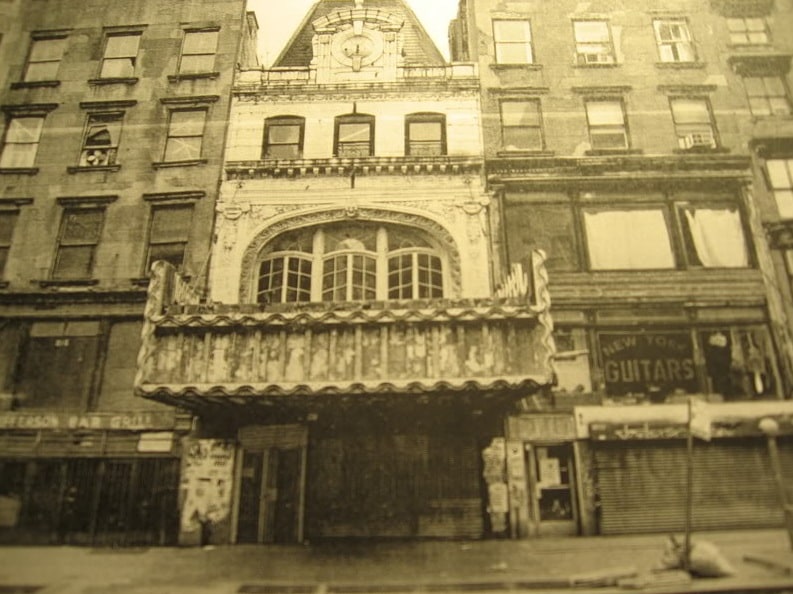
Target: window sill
{"type": "Point", "coordinates": [19, 170]}
{"type": "Point", "coordinates": [34, 84]}
{"type": "Point", "coordinates": [699, 150]}
{"type": "Point", "coordinates": [605, 152]}
{"type": "Point", "coordinates": [174, 78]}
{"type": "Point", "coordinates": [596, 66]}
{"type": "Point", "coordinates": [525, 153]}
{"type": "Point", "coordinates": [72, 282]}
{"type": "Point", "coordinates": [680, 65]}
{"type": "Point", "coordinates": [529, 66]}
{"type": "Point", "coordinates": [88, 168]}
{"type": "Point", "coordinates": [762, 47]}
{"type": "Point", "coordinates": [190, 163]}
{"type": "Point", "coordinates": [113, 81]}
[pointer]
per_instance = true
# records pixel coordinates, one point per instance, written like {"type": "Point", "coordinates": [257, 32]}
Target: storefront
{"type": "Point", "coordinates": [89, 479]}
{"type": "Point", "coordinates": [641, 469]}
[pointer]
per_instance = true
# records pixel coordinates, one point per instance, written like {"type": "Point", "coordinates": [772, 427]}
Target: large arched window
{"type": "Point", "coordinates": [350, 262]}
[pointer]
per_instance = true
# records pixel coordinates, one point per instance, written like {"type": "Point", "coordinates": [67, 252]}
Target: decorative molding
{"type": "Point", "coordinates": [685, 89]}
{"type": "Point", "coordinates": [601, 89]}
{"type": "Point", "coordinates": [309, 219]}
{"type": "Point", "coordinates": [85, 201]}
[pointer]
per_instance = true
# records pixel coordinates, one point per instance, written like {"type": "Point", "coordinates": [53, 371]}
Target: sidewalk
{"type": "Point", "coordinates": [435, 566]}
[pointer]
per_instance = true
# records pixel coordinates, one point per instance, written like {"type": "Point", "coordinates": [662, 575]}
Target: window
{"type": "Point", "coordinates": [121, 52]}
{"type": "Point", "coordinates": [7, 222]}
{"type": "Point", "coordinates": [713, 237]}
{"type": "Point", "coordinates": [607, 129]}
{"type": "Point", "coordinates": [169, 230]}
{"type": "Point", "coordinates": [674, 40]}
{"type": "Point", "coordinates": [100, 141]}
{"type": "Point", "coordinates": [185, 134]}
{"type": "Point", "coordinates": [513, 42]}
{"type": "Point", "coordinates": [748, 31]}
{"type": "Point", "coordinates": [549, 227]}
{"type": "Point", "coordinates": [521, 125]}
{"type": "Point", "coordinates": [593, 42]}
{"type": "Point", "coordinates": [738, 362]}
{"type": "Point", "coordinates": [198, 52]}
{"type": "Point", "coordinates": [425, 135]}
{"type": "Point", "coordinates": [57, 366]}
{"type": "Point", "coordinates": [780, 177]}
{"type": "Point", "coordinates": [283, 138]}
{"type": "Point", "coordinates": [354, 136]}
{"type": "Point", "coordinates": [628, 239]}
{"type": "Point", "coordinates": [767, 95]}
{"type": "Point", "coordinates": [21, 141]}
{"type": "Point", "coordinates": [693, 124]}
{"type": "Point", "coordinates": [44, 59]}
{"type": "Point", "coordinates": [349, 262]}
{"type": "Point", "coordinates": [77, 242]}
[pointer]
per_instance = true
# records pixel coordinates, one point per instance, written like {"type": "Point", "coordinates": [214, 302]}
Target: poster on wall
{"type": "Point", "coordinates": [207, 479]}
{"type": "Point", "coordinates": [647, 363]}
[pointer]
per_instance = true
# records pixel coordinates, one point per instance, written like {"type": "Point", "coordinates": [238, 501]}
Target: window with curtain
{"type": "Point", "coordinates": [513, 41]}
{"type": "Point", "coordinates": [628, 239]}
{"type": "Point", "coordinates": [349, 262]}
{"type": "Point", "coordinates": [714, 237]}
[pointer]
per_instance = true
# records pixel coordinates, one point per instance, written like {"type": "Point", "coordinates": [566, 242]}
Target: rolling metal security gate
{"type": "Point", "coordinates": [642, 485]}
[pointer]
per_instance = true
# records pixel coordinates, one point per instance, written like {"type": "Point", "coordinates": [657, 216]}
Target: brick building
{"type": "Point", "coordinates": [643, 147]}
{"type": "Point", "coordinates": [113, 130]}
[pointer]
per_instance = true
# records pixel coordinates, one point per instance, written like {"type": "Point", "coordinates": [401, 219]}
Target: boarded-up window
{"type": "Point", "coordinates": [58, 365]}
{"type": "Point", "coordinates": [546, 227]}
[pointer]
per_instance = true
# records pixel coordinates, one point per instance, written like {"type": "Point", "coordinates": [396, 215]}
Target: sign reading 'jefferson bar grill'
{"type": "Point", "coordinates": [122, 422]}
{"type": "Point", "coordinates": [641, 363]}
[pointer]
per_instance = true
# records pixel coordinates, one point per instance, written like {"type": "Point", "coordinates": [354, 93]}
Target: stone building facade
{"type": "Point", "coordinates": [353, 352]}
{"type": "Point", "coordinates": [114, 120]}
{"type": "Point", "coordinates": [642, 148]}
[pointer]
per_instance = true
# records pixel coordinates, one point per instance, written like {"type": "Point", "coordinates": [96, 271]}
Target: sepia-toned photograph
{"type": "Point", "coordinates": [396, 296]}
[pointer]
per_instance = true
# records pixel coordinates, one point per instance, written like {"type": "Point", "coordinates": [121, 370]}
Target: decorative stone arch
{"type": "Point", "coordinates": [435, 230]}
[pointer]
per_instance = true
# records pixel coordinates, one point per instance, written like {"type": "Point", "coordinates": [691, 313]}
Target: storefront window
{"type": "Point", "coordinates": [655, 364]}
{"type": "Point", "coordinates": [738, 363]}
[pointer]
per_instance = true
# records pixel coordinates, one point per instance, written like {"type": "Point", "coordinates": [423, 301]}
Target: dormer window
{"type": "Point", "coordinates": [354, 136]}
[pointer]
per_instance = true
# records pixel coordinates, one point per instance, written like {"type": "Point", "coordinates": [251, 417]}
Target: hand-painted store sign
{"type": "Point", "coordinates": [641, 363]}
{"type": "Point", "coordinates": [631, 431]}
{"type": "Point", "coordinates": [98, 421]}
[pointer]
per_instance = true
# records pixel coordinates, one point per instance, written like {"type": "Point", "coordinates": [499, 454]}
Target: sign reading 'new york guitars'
{"type": "Point", "coordinates": [648, 362]}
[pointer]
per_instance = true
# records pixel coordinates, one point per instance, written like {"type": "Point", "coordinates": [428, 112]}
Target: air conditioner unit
{"type": "Point", "coordinates": [97, 157]}
{"type": "Point", "coordinates": [699, 139]}
{"type": "Point", "coordinates": [595, 59]}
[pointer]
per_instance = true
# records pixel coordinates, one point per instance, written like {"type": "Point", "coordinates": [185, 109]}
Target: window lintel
{"type": "Point", "coordinates": [108, 105]}
{"type": "Point", "coordinates": [605, 91]}
{"type": "Point", "coordinates": [124, 29]}
{"type": "Point", "coordinates": [196, 100]}
{"type": "Point", "coordinates": [693, 91]}
{"type": "Point", "coordinates": [85, 201]}
{"type": "Point", "coordinates": [45, 34]}
{"type": "Point", "coordinates": [174, 197]}
{"type": "Point", "coordinates": [32, 109]}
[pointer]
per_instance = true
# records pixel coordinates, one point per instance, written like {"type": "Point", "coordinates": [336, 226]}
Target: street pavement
{"type": "Point", "coordinates": [540, 565]}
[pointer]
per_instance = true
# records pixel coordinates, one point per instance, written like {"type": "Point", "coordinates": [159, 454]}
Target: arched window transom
{"type": "Point", "coordinates": [350, 262]}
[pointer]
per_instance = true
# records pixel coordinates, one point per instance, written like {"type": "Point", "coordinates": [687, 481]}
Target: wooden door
{"type": "Point", "coordinates": [554, 507]}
